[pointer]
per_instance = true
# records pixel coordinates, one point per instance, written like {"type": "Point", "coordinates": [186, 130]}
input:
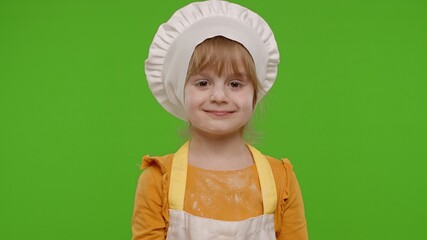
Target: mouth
{"type": "Point", "coordinates": [219, 113]}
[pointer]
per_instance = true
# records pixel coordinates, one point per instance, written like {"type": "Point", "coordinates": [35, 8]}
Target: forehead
{"type": "Point", "coordinates": [222, 67]}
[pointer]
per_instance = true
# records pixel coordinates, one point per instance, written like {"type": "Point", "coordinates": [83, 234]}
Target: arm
{"type": "Point", "coordinates": [147, 221]}
{"type": "Point", "coordinates": [294, 225]}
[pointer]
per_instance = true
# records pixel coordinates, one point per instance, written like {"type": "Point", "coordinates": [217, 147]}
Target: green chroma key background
{"type": "Point", "coordinates": [349, 109]}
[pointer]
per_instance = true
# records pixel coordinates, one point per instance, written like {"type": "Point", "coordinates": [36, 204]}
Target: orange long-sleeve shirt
{"type": "Point", "coordinates": [222, 195]}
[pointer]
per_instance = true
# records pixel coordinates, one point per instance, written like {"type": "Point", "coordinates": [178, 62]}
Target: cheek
{"type": "Point", "coordinates": [248, 101]}
{"type": "Point", "coordinates": [191, 100]}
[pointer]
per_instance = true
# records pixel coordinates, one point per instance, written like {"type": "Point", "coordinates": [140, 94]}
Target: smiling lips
{"type": "Point", "coordinates": [219, 113]}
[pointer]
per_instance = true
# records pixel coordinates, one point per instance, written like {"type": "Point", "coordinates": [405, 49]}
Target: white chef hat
{"type": "Point", "coordinates": [173, 45]}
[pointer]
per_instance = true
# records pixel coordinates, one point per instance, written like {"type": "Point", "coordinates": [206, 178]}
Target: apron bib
{"type": "Point", "coordinates": [183, 226]}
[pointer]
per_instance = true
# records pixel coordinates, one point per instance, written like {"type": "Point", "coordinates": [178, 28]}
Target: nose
{"type": "Point", "coordinates": [219, 95]}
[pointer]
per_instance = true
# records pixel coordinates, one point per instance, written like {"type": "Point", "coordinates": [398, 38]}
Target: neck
{"type": "Point", "coordinates": [219, 152]}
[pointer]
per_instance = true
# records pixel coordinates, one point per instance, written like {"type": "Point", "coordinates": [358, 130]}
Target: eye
{"type": "Point", "coordinates": [202, 83]}
{"type": "Point", "coordinates": [235, 84]}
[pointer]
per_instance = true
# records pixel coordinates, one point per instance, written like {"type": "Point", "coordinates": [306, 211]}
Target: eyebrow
{"type": "Point", "coordinates": [234, 75]}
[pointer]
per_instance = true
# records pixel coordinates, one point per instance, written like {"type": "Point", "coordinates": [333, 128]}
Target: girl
{"type": "Point", "coordinates": [209, 65]}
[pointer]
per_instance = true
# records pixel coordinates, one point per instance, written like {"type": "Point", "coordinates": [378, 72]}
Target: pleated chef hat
{"type": "Point", "coordinates": [174, 43]}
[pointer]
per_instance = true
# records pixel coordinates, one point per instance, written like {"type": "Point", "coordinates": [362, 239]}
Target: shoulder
{"type": "Point", "coordinates": [283, 174]}
{"type": "Point", "coordinates": [279, 166]}
{"type": "Point", "coordinates": [155, 168]}
{"type": "Point", "coordinates": [159, 163]}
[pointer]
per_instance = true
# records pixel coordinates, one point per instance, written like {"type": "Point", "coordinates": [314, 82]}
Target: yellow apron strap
{"type": "Point", "coordinates": [266, 180]}
{"type": "Point", "coordinates": [179, 178]}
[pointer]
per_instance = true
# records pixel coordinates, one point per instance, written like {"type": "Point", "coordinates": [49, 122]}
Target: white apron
{"type": "Point", "coordinates": [183, 226]}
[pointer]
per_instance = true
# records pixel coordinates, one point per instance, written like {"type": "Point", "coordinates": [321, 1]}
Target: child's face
{"type": "Point", "coordinates": [218, 105]}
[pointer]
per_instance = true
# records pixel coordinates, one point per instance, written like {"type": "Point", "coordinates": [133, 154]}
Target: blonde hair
{"type": "Point", "coordinates": [222, 55]}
